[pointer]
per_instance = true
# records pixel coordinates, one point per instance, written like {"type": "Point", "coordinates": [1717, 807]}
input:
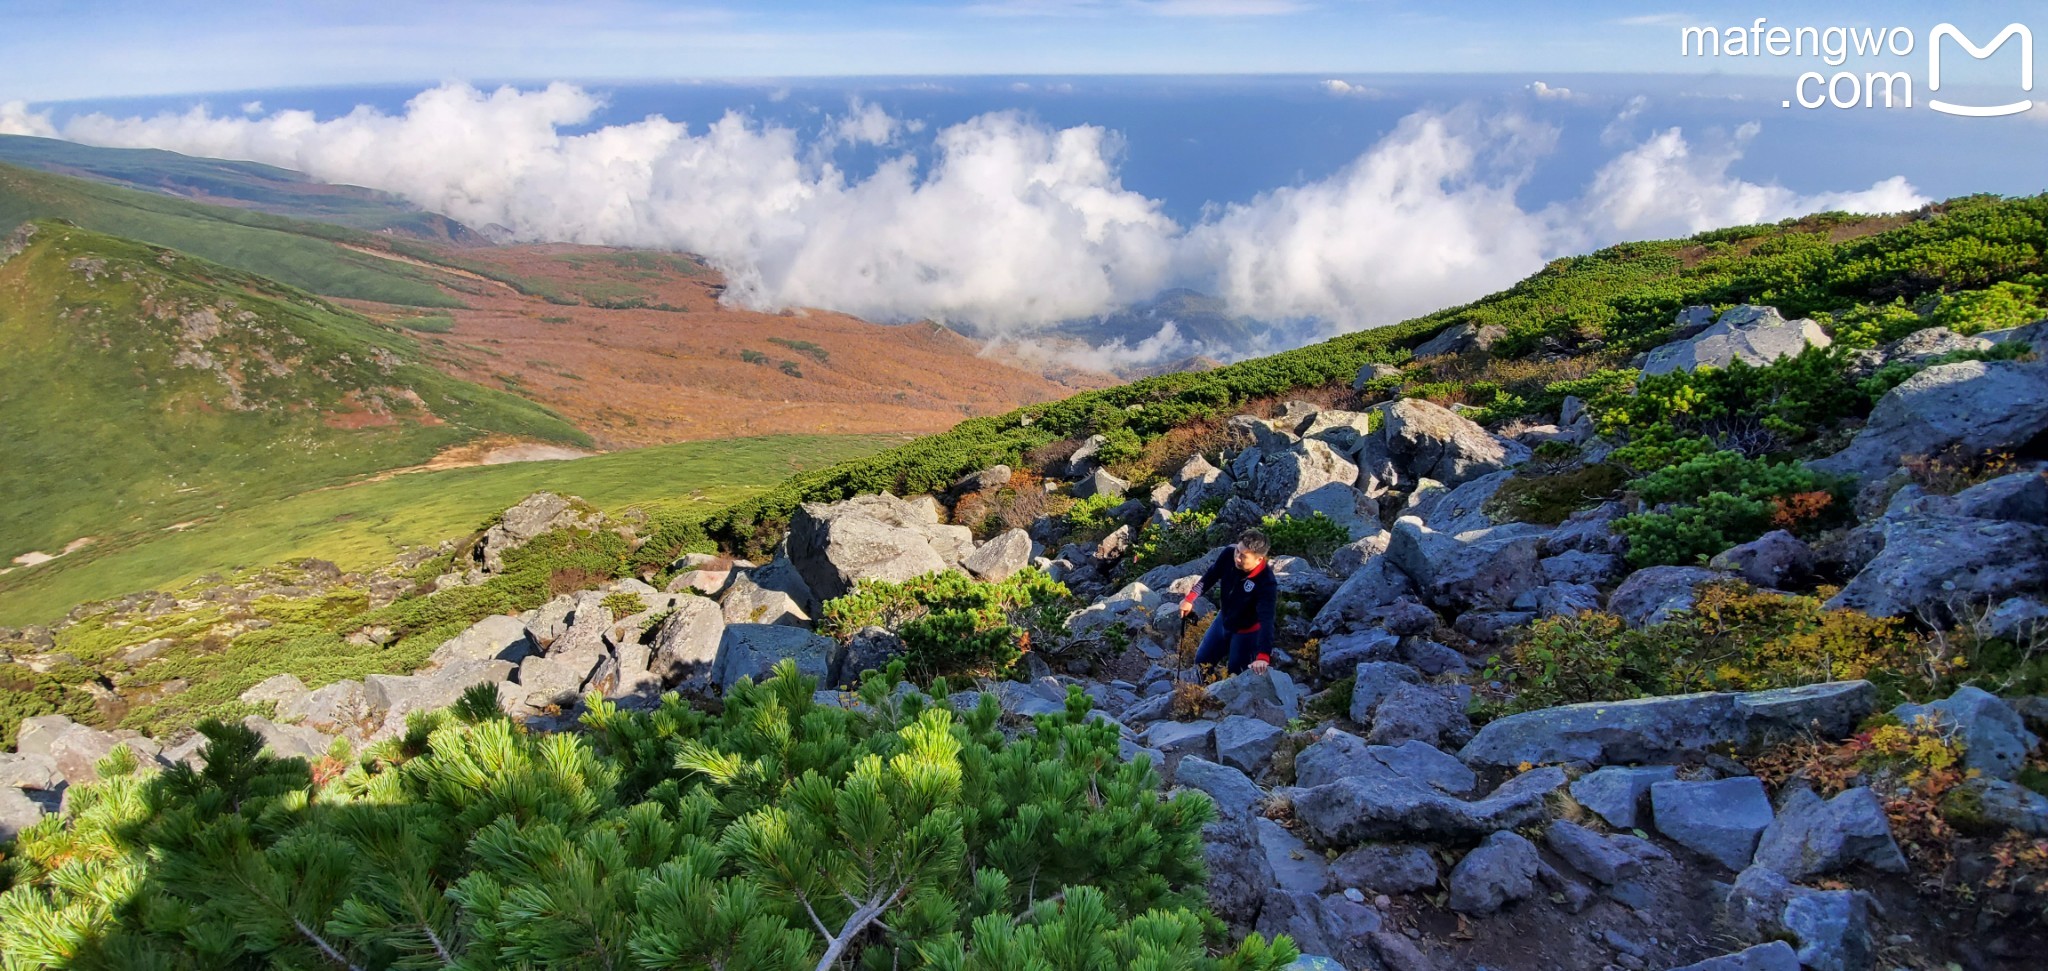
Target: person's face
{"type": "Point", "coordinates": [1246, 559]}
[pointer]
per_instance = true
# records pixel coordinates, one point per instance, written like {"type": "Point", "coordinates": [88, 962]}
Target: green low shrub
{"type": "Point", "coordinates": [951, 622]}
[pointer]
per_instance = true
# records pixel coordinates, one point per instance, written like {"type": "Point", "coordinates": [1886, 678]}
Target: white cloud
{"type": "Point", "coordinates": [1345, 89]}
{"type": "Point", "coordinates": [1665, 187]}
{"type": "Point", "coordinates": [1545, 92]}
{"type": "Point", "coordinates": [1007, 224]}
{"type": "Point", "coordinates": [1222, 8]}
{"type": "Point", "coordinates": [252, 108]}
{"type": "Point", "coordinates": [1619, 130]}
{"type": "Point", "coordinates": [16, 119]}
{"type": "Point", "coordinates": [1659, 20]}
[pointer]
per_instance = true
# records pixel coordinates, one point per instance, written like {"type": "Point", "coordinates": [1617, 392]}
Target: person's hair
{"type": "Point", "coordinates": [1254, 541]}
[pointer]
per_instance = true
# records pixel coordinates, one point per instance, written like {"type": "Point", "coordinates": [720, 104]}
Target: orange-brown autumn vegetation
{"type": "Point", "coordinates": [673, 370]}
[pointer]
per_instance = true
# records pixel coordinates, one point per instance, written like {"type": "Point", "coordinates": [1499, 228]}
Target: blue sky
{"type": "Point", "coordinates": [51, 50]}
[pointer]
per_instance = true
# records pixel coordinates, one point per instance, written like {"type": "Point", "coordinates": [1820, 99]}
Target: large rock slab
{"type": "Point", "coordinates": [1000, 557]}
{"type": "Point", "coordinates": [496, 637]}
{"type": "Point", "coordinates": [1774, 956]}
{"type": "Point", "coordinates": [1234, 794]}
{"type": "Point", "coordinates": [1371, 587]}
{"type": "Point", "coordinates": [1973, 406]}
{"type": "Point", "coordinates": [748, 602]}
{"type": "Point", "coordinates": [521, 524]}
{"type": "Point", "coordinates": [1616, 793]}
{"type": "Point", "coordinates": [1657, 729]}
{"type": "Point", "coordinates": [1752, 335]}
{"type": "Point", "coordinates": [1500, 871]}
{"type": "Point", "coordinates": [1932, 566]}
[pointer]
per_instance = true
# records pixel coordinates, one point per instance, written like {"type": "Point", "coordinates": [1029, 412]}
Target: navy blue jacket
{"type": "Point", "coordinates": [1244, 601]}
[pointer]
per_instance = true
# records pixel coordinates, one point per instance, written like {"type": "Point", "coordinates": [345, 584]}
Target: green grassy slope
{"type": "Point", "coordinates": [140, 388]}
{"type": "Point", "coordinates": [366, 525]}
{"type": "Point", "coordinates": [308, 255]}
{"type": "Point", "coordinates": [247, 185]}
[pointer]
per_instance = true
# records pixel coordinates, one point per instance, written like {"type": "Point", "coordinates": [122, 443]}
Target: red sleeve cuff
{"type": "Point", "coordinates": [1193, 592]}
{"type": "Point", "coordinates": [1266, 658]}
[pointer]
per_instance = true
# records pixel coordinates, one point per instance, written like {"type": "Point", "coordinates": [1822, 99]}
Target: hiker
{"type": "Point", "coordinates": [1245, 591]}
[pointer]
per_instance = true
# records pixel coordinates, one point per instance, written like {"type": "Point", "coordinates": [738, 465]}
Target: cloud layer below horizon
{"type": "Point", "coordinates": [1011, 225]}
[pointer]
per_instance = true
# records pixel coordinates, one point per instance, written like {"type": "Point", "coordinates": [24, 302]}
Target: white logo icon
{"type": "Point", "coordinates": [1980, 53]}
{"type": "Point", "coordinates": [1247, 586]}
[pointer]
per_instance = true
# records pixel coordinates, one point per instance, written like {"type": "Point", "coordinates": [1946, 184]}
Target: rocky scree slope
{"type": "Point", "coordinates": [1472, 738]}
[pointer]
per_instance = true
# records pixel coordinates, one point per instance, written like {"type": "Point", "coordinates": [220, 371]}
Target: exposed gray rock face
{"type": "Point", "coordinates": [1812, 836]}
{"type": "Point", "coordinates": [1575, 566]}
{"type": "Point", "coordinates": [993, 477]}
{"type": "Point", "coordinates": [17, 812]}
{"type": "Point", "coordinates": [1238, 872]}
{"type": "Point", "coordinates": [1501, 871]}
{"type": "Point", "coordinates": [1295, 867]}
{"type": "Point", "coordinates": [1773, 560]}
{"type": "Point", "coordinates": [1373, 681]}
{"type": "Point", "coordinates": [1656, 729]}
{"type": "Point", "coordinates": [877, 537]}
{"type": "Point", "coordinates": [870, 648]}
{"type": "Point", "coordinates": [1752, 335]}
{"type": "Point", "coordinates": [1656, 594]}
{"type": "Point", "coordinates": [1373, 372]}
{"type": "Point", "coordinates": [1972, 405]}
{"type": "Point", "coordinates": [1718, 820]}
{"type": "Point", "coordinates": [1995, 741]}
{"type": "Point", "coordinates": [1299, 470]}
{"type": "Point", "coordinates": [1462, 510]}
{"type": "Point", "coordinates": [339, 708]}
{"type": "Point", "coordinates": [1930, 566]}
{"type": "Point", "coordinates": [1428, 441]}
{"type": "Point", "coordinates": [29, 771]}
{"type": "Point", "coordinates": [1340, 654]}
{"type": "Point", "coordinates": [289, 741]}
{"type": "Point", "coordinates": [1178, 740]}
{"type": "Point", "coordinates": [1390, 806]}
{"type": "Point", "coordinates": [753, 650]}
{"type": "Point", "coordinates": [1271, 697]}
{"type": "Point", "coordinates": [2021, 497]}
{"type": "Point", "coordinates": [1100, 483]}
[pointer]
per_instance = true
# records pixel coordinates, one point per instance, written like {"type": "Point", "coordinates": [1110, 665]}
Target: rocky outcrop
{"type": "Point", "coordinates": [1752, 335]}
{"type": "Point", "coordinates": [836, 546]}
{"type": "Point", "coordinates": [521, 524]}
{"type": "Point", "coordinates": [1972, 406]}
{"type": "Point", "coordinates": [1659, 729]}
{"type": "Point", "coordinates": [1391, 806]}
{"type": "Point", "coordinates": [1933, 567]}
{"type": "Point", "coordinates": [1428, 441]}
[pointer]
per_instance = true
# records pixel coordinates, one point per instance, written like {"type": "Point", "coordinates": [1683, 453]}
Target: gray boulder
{"type": "Point", "coordinates": [278, 688]}
{"type": "Point", "coordinates": [1656, 594]}
{"type": "Point", "coordinates": [1604, 859]}
{"type": "Point", "coordinates": [1773, 956]}
{"type": "Point", "coordinates": [1812, 836]}
{"type": "Point", "coordinates": [747, 602]}
{"type": "Point", "coordinates": [1271, 697]}
{"type": "Point", "coordinates": [1431, 714]}
{"type": "Point", "coordinates": [1371, 587]}
{"type": "Point", "coordinates": [2020, 497]}
{"type": "Point", "coordinates": [1298, 915]}
{"type": "Point", "coordinates": [1719, 820]}
{"type": "Point", "coordinates": [1460, 338]}
{"type": "Point", "coordinates": [1340, 654]}
{"type": "Point", "coordinates": [555, 681]}
{"type": "Point", "coordinates": [1300, 470]}
{"type": "Point", "coordinates": [1389, 806]}
{"type": "Point", "coordinates": [1499, 872]}
{"type": "Point", "coordinates": [521, 524]}
{"type": "Point", "coordinates": [1246, 744]}
{"type": "Point", "coordinates": [496, 637]}
{"type": "Point", "coordinates": [29, 771]}
{"type": "Point", "coordinates": [1752, 335]}
{"type": "Point", "coordinates": [339, 708]}
{"type": "Point", "coordinates": [1373, 682]}
{"type": "Point", "coordinates": [1829, 929]}
{"type": "Point", "coordinates": [17, 812]}
{"type": "Point", "coordinates": [2007, 805]}
{"type": "Point", "coordinates": [1931, 566]}
{"type": "Point", "coordinates": [880, 537]}
{"type": "Point", "coordinates": [1995, 741]}
{"type": "Point", "coordinates": [1235, 795]}
{"type": "Point", "coordinates": [753, 650]}
{"type": "Point", "coordinates": [1238, 872]}
{"type": "Point", "coordinates": [993, 477]}
{"type": "Point", "coordinates": [685, 646]}
{"type": "Point", "coordinates": [1970, 405]}
{"type": "Point", "coordinates": [870, 648]}
{"type": "Point", "coordinates": [1615, 793]}
{"type": "Point", "coordinates": [1000, 557]}
{"type": "Point", "coordinates": [1923, 346]}
{"type": "Point", "coordinates": [1576, 566]}
{"type": "Point", "coordinates": [1100, 483]}
{"type": "Point", "coordinates": [1296, 868]}
{"type": "Point", "coordinates": [1178, 740]}
{"type": "Point", "coordinates": [1428, 441]}
{"type": "Point", "coordinates": [1369, 373]}
{"type": "Point", "coordinates": [1462, 510]}
{"type": "Point", "coordinates": [1388, 868]}
{"type": "Point", "coordinates": [289, 741]}
{"type": "Point", "coordinates": [1477, 570]}
{"type": "Point", "coordinates": [1773, 560]}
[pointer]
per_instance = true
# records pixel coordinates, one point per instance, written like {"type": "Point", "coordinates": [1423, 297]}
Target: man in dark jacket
{"type": "Point", "coordinates": [1242, 581]}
